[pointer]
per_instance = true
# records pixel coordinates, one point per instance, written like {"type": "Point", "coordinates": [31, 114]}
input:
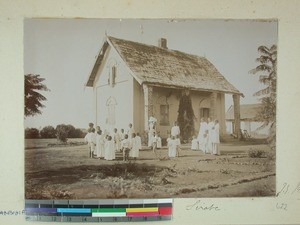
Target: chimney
{"type": "Point", "coordinates": [162, 43]}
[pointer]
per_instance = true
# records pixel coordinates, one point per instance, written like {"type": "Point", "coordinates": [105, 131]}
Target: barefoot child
{"type": "Point", "coordinates": [125, 146]}
{"type": "Point", "coordinates": [154, 144]}
{"type": "Point", "coordinates": [178, 149]}
{"type": "Point", "coordinates": [91, 140]}
{"type": "Point", "coordinates": [195, 145]}
{"type": "Point", "coordinates": [172, 146]}
{"type": "Point", "coordinates": [134, 153]}
{"type": "Point", "coordinates": [116, 137]}
{"type": "Point", "coordinates": [158, 141]}
{"type": "Point", "coordinates": [99, 144]}
{"type": "Point", "coordinates": [109, 149]}
{"type": "Point", "coordinates": [138, 142]}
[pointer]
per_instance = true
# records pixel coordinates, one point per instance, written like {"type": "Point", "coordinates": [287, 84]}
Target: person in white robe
{"type": "Point", "coordinates": [195, 144]}
{"type": "Point", "coordinates": [172, 147]}
{"type": "Point", "coordinates": [126, 147]}
{"type": "Point", "coordinates": [99, 144]}
{"type": "Point", "coordinates": [109, 149]}
{"type": "Point", "coordinates": [138, 142]}
{"type": "Point", "coordinates": [201, 136]}
{"type": "Point", "coordinates": [130, 131]}
{"type": "Point", "coordinates": [178, 146]}
{"type": "Point", "coordinates": [210, 125]}
{"type": "Point", "coordinates": [90, 138]}
{"type": "Point", "coordinates": [216, 138]}
{"type": "Point", "coordinates": [151, 131]}
{"type": "Point", "coordinates": [154, 145]}
{"type": "Point", "coordinates": [158, 141]}
{"type": "Point", "coordinates": [175, 130]}
{"type": "Point", "coordinates": [122, 134]}
{"type": "Point", "coordinates": [117, 139]}
{"type": "Point", "coordinates": [134, 152]}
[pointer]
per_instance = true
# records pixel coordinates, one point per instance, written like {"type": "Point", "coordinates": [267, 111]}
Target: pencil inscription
{"type": "Point", "coordinates": [200, 205]}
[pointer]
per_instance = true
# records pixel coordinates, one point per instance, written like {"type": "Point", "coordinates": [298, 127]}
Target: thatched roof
{"type": "Point", "coordinates": [248, 112]}
{"type": "Point", "coordinates": [164, 67]}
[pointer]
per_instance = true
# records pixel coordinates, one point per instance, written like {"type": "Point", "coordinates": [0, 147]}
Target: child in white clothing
{"type": "Point", "coordinates": [90, 138]}
{"type": "Point", "coordinates": [125, 146]}
{"type": "Point", "coordinates": [195, 144]}
{"type": "Point", "coordinates": [172, 145]}
{"type": "Point", "coordinates": [109, 149]}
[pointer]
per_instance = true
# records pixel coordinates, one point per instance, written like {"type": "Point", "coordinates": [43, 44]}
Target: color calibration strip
{"type": "Point", "coordinates": [99, 210]}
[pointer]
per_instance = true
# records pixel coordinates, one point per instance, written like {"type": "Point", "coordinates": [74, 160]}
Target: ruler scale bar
{"type": "Point", "coordinates": [107, 210]}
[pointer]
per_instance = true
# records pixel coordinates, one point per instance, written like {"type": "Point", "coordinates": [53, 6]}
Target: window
{"type": "Point", "coordinates": [111, 111]}
{"type": "Point", "coordinates": [164, 115]}
{"type": "Point", "coordinates": [204, 113]}
{"type": "Point", "coordinates": [112, 76]}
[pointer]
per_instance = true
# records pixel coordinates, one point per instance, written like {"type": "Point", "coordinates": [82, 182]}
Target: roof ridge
{"type": "Point", "coordinates": [164, 49]}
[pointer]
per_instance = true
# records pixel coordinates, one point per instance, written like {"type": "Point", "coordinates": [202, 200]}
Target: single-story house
{"type": "Point", "coordinates": [249, 120]}
{"type": "Point", "coordinates": [133, 81]}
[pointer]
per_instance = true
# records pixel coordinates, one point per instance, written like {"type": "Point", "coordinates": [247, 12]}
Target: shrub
{"type": "Point", "coordinates": [62, 132]}
{"type": "Point", "coordinates": [32, 133]}
{"type": "Point", "coordinates": [253, 153]}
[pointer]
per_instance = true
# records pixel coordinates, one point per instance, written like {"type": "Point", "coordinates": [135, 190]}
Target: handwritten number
{"type": "Point", "coordinates": [282, 206]}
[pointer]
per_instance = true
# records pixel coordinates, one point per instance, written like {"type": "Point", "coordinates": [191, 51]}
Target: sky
{"type": "Point", "coordinates": [63, 51]}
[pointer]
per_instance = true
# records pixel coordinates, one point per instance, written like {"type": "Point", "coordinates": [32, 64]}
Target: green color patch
{"type": "Point", "coordinates": [108, 210]}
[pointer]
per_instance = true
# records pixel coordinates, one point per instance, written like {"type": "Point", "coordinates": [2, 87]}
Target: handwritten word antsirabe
{"type": "Point", "coordinates": [201, 205]}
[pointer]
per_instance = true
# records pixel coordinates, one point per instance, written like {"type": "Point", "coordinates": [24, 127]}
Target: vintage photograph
{"type": "Point", "coordinates": [156, 108]}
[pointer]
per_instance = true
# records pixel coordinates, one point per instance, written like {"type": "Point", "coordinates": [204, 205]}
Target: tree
{"type": "Point", "coordinates": [32, 133]}
{"type": "Point", "coordinates": [33, 84]}
{"type": "Point", "coordinates": [48, 132]}
{"type": "Point", "coordinates": [267, 69]}
{"type": "Point", "coordinates": [186, 116]}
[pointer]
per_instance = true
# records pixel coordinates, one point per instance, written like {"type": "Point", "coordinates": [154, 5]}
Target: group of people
{"type": "Point", "coordinates": [208, 139]}
{"type": "Point", "coordinates": [105, 144]}
{"type": "Point", "coordinates": [154, 139]}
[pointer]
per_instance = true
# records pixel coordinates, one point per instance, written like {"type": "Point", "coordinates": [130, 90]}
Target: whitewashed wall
{"type": "Point", "coordinates": [122, 92]}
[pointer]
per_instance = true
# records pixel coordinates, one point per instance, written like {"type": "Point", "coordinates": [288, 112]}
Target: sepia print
{"type": "Point", "coordinates": [149, 108]}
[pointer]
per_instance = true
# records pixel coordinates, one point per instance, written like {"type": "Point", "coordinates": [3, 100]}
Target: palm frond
{"type": "Point", "coordinates": [261, 68]}
{"type": "Point", "coordinates": [264, 91]}
{"type": "Point", "coordinates": [264, 50]}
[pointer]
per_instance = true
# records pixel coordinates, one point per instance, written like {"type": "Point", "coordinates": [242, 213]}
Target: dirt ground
{"type": "Point", "coordinates": [67, 172]}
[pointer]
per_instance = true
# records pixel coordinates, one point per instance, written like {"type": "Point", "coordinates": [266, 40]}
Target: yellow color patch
{"type": "Point", "coordinates": [142, 209]}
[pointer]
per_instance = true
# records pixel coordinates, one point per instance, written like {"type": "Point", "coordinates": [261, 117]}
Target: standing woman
{"type": "Point", "coordinates": [216, 138]}
{"type": "Point", "coordinates": [210, 125]}
{"type": "Point", "coordinates": [99, 144]}
{"type": "Point", "coordinates": [202, 135]}
{"type": "Point", "coordinates": [151, 131]}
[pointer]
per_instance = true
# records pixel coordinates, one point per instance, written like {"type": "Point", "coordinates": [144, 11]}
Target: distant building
{"type": "Point", "coordinates": [249, 120]}
{"type": "Point", "coordinates": [133, 81]}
